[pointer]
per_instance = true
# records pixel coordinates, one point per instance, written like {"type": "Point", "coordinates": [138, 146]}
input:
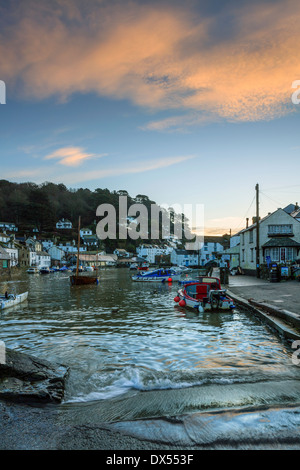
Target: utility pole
{"type": "Point", "coordinates": [257, 232]}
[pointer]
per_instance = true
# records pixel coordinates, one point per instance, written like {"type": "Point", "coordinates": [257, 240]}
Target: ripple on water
{"type": "Point", "coordinates": [148, 347]}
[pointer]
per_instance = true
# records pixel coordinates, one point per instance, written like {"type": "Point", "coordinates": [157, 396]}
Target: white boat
{"type": "Point", "coordinates": [10, 300]}
{"type": "Point", "coordinates": [133, 266]}
{"type": "Point", "coordinates": [158, 275]}
{"type": "Point", "coordinates": [89, 268]}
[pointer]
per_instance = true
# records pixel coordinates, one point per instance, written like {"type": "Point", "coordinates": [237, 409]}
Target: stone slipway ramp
{"type": "Point", "coordinates": [274, 428]}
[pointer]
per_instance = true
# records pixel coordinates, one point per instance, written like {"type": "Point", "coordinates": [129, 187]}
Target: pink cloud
{"type": "Point", "coordinates": [160, 58]}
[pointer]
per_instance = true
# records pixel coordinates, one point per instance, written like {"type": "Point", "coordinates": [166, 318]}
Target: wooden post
{"type": "Point", "coordinates": [77, 265]}
{"type": "Point", "coordinates": [257, 233]}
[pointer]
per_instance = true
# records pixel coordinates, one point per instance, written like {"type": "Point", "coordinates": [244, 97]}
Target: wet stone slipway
{"type": "Point", "coordinates": [120, 366]}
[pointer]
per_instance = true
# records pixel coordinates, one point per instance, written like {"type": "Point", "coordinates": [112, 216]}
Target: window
{"type": "Point", "coordinates": [251, 236]}
{"type": "Point", "coordinates": [275, 254]}
{"type": "Point", "coordinates": [290, 254]}
{"type": "Point", "coordinates": [252, 254]}
{"type": "Point", "coordinates": [280, 229]}
{"type": "Point", "coordinates": [4, 263]}
{"type": "Point", "coordinates": [243, 255]}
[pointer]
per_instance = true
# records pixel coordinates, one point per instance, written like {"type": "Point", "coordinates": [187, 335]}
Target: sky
{"type": "Point", "coordinates": [185, 102]}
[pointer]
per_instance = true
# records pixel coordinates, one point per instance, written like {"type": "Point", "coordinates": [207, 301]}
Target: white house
{"type": "Point", "coordinates": [64, 224]}
{"type": "Point", "coordinates": [43, 259]}
{"type": "Point", "coordinates": [185, 257]}
{"type": "Point", "coordinates": [85, 232]}
{"type": "Point", "coordinates": [213, 247]}
{"type": "Point", "coordinates": [279, 240]}
{"type": "Point", "coordinates": [120, 252]}
{"type": "Point", "coordinates": [4, 238]}
{"type": "Point", "coordinates": [71, 247]}
{"type": "Point", "coordinates": [56, 254]}
{"type": "Point", "coordinates": [46, 244]}
{"type": "Point", "coordinates": [14, 255]}
{"type": "Point", "coordinates": [90, 240]}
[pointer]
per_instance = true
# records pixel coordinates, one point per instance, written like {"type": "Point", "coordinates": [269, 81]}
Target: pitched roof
{"type": "Point", "coordinates": [281, 241]}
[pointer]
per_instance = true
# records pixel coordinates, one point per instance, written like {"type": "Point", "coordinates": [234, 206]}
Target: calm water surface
{"type": "Point", "coordinates": [150, 358]}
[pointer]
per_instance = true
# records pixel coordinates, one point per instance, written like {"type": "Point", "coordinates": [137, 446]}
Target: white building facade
{"type": "Point", "coordinates": [279, 241]}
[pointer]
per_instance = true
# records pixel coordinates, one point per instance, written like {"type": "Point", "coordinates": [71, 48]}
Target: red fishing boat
{"type": "Point", "coordinates": [204, 294]}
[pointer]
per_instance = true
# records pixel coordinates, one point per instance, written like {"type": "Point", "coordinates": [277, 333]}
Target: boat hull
{"type": "Point", "coordinates": [83, 280]}
{"type": "Point", "coordinates": [155, 279]}
{"type": "Point", "coordinates": [13, 300]}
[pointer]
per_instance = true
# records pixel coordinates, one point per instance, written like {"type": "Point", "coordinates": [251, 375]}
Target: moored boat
{"type": "Point", "coordinates": [45, 270]}
{"type": "Point", "coordinates": [158, 275]}
{"type": "Point", "coordinates": [10, 300]}
{"type": "Point", "coordinates": [204, 294]}
{"type": "Point", "coordinates": [83, 279]}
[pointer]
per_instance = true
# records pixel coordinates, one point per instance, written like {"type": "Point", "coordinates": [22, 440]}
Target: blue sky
{"type": "Point", "coordinates": [186, 104]}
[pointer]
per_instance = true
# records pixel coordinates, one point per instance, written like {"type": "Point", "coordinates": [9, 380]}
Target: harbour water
{"type": "Point", "coordinates": [135, 355]}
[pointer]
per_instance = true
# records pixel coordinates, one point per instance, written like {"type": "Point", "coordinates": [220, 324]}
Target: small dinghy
{"type": "Point", "coordinates": [9, 300]}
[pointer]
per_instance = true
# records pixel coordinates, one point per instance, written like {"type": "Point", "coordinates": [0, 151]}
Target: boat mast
{"type": "Point", "coordinates": [77, 265]}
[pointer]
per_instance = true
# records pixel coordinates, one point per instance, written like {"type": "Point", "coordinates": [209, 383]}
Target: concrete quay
{"type": "Point", "coordinates": [278, 304]}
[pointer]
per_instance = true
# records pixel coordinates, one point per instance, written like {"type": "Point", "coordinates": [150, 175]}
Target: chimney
{"type": "Point", "coordinates": [247, 222]}
{"type": "Point", "coordinates": [296, 206]}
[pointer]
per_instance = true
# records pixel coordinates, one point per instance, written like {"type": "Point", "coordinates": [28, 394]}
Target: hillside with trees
{"type": "Point", "coordinates": [31, 206]}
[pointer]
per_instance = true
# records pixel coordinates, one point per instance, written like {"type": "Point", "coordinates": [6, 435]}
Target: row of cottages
{"type": "Point", "coordinates": [279, 240]}
{"type": "Point", "coordinates": [211, 249]}
{"type": "Point", "coordinates": [24, 253]}
{"type": "Point", "coordinates": [151, 252]}
{"type": "Point", "coordinates": [96, 260]}
{"type": "Point", "coordinates": [8, 226]}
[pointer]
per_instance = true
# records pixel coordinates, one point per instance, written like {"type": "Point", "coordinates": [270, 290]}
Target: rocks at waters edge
{"type": "Point", "coordinates": [26, 378]}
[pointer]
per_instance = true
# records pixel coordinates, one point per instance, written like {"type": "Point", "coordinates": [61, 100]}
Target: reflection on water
{"type": "Point", "coordinates": [133, 353]}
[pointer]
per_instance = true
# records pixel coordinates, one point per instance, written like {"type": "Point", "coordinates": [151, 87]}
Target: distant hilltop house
{"type": "Point", "coordinates": [85, 232]}
{"type": "Point", "coordinates": [64, 224]}
{"type": "Point", "coordinates": [8, 226]}
{"type": "Point", "coordinates": [120, 252]}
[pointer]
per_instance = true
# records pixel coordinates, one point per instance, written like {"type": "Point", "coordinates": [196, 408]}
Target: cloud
{"type": "Point", "coordinates": [143, 166]}
{"type": "Point", "coordinates": [159, 56]}
{"type": "Point", "coordinates": [71, 156]}
{"type": "Point", "coordinates": [68, 157]}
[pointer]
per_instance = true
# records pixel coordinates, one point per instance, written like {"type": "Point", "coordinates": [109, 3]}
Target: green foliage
{"type": "Point", "coordinates": [29, 205]}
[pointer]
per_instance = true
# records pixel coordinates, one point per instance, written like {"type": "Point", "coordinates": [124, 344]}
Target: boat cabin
{"type": "Point", "coordinates": [200, 289]}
